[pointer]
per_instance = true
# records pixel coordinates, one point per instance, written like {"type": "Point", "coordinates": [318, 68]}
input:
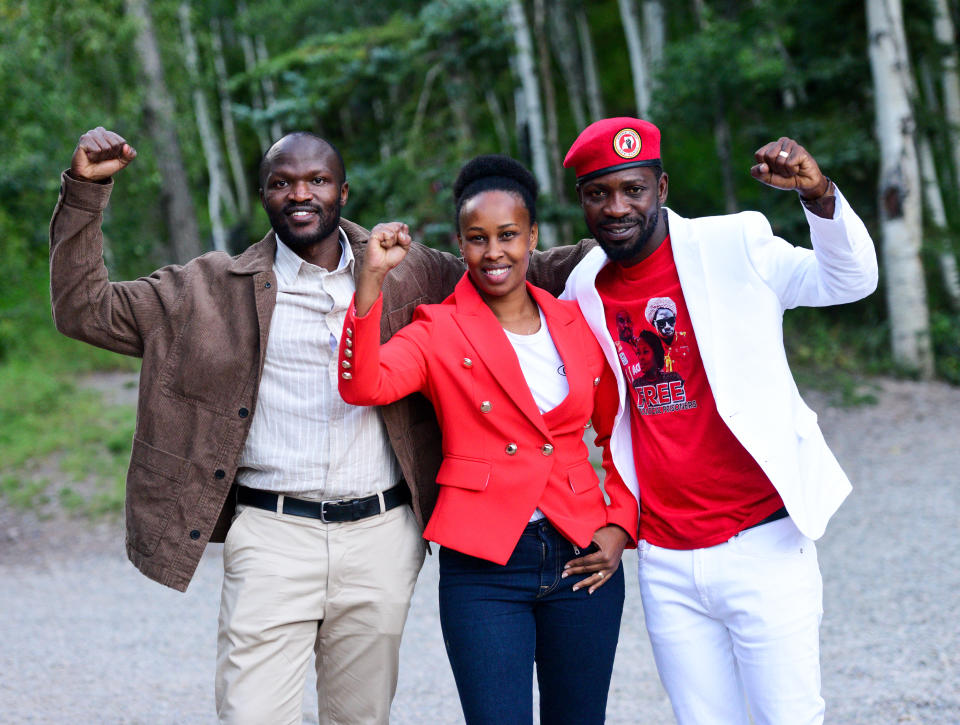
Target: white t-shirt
{"type": "Point", "coordinates": [543, 370]}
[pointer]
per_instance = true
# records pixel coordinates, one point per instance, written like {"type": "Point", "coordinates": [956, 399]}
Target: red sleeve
{"type": "Point", "coordinates": [623, 509]}
{"type": "Point", "coordinates": [375, 374]}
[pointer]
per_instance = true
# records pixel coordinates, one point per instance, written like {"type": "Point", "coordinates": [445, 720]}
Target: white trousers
{"type": "Point", "coordinates": [735, 627]}
{"type": "Point", "coordinates": [295, 585]}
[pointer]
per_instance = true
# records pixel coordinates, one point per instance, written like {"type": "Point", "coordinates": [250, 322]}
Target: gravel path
{"type": "Point", "coordinates": [85, 639]}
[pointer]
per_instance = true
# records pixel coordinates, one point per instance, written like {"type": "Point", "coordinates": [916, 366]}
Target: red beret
{"type": "Point", "coordinates": [613, 144]}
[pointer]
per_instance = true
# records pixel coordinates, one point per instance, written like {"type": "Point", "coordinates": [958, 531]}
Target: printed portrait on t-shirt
{"type": "Point", "coordinates": [654, 388]}
{"type": "Point", "coordinates": [661, 314]}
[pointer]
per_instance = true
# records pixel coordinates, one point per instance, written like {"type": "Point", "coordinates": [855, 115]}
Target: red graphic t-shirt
{"type": "Point", "coordinates": [698, 485]}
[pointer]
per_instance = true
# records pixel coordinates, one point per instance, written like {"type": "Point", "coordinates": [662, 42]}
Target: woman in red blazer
{"type": "Point", "coordinates": [515, 376]}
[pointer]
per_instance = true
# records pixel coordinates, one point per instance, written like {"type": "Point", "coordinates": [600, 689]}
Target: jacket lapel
{"type": "Point", "coordinates": [479, 325]}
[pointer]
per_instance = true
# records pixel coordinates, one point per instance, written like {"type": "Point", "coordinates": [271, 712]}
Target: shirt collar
{"type": "Point", "coordinates": [288, 263]}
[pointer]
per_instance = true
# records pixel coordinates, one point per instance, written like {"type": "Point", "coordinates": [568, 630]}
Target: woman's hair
{"type": "Point", "coordinates": [653, 340]}
{"type": "Point", "coordinates": [495, 172]}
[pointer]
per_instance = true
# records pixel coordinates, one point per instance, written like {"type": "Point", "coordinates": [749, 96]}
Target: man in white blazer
{"type": "Point", "coordinates": [732, 472]}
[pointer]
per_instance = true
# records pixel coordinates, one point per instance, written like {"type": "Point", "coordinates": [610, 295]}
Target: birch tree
{"type": "Point", "coordinates": [938, 216]}
{"type": "Point", "coordinates": [638, 63]}
{"type": "Point", "coordinates": [533, 110]}
{"type": "Point", "coordinates": [227, 121]}
{"type": "Point", "coordinates": [900, 204]}
{"type": "Point", "coordinates": [589, 59]}
{"type": "Point", "coordinates": [218, 193]}
{"type": "Point", "coordinates": [175, 198]}
{"type": "Point", "coordinates": [944, 31]}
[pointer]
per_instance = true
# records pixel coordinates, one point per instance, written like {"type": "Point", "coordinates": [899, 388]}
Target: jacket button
{"type": "Point", "coordinates": [511, 448]}
{"type": "Point", "coordinates": [349, 342]}
{"type": "Point", "coordinates": [485, 406]}
{"type": "Point", "coordinates": [547, 449]}
{"type": "Point", "coordinates": [467, 362]}
{"type": "Point", "coordinates": [194, 534]}
{"type": "Point", "coordinates": [346, 376]}
{"type": "Point", "coordinates": [219, 473]}
{"type": "Point", "coordinates": [345, 364]}
{"type": "Point", "coordinates": [243, 412]}
{"type": "Point", "coordinates": [596, 381]}
{"type": "Point", "coordinates": [588, 424]}
{"type": "Point", "coordinates": [267, 285]}
{"type": "Point", "coordinates": [349, 332]}
{"type": "Point", "coordinates": [348, 352]}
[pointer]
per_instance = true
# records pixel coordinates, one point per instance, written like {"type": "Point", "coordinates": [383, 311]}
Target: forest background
{"type": "Point", "coordinates": [409, 91]}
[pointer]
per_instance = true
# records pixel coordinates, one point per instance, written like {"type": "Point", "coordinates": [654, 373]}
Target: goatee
{"type": "Point", "coordinates": [617, 253]}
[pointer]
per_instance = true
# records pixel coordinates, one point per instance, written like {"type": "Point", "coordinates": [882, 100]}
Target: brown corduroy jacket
{"type": "Point", "coordinates": [201, 330]}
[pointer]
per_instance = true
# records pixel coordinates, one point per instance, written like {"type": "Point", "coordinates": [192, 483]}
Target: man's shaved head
{"type": "Point", "coordinates": [293, 140]}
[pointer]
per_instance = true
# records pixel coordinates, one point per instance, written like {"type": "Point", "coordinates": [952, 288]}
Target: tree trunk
{"type": "Point", "coordinates": [944, 30]}
{"type": "Point", "coordinates": [530, 88]}
{"type": "Point", "coordinates": [256, 92]}
{"type": "Point", "coordinates": [564, 43]}
{"type": "Point", "coordinates": [638, 64]}
{"type": "Point", "coordinates": [590, 75]}
{"type": "Point", "coordinates": [497, 114]}
{"type": "Point", "coordinates": [226, 121]}
{"type": "Point", "coordinates": [175, 197]}
{"type": "Point", "coordinates": [654, 39]}
{"type": "Point", "coordinates": [269, 90]}
{"type": "Point", "coordinates": [900, 216]}
{"type": "Point", "coordinates": [938, 215]}
{"type": "Point", "coordinates": [218, 190]}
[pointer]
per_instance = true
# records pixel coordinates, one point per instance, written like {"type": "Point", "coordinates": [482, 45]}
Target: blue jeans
{"type": "Point", "coordinates": [497, 620]}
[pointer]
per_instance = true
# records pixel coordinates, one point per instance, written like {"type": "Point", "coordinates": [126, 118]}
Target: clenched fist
{"type": "Point", "coordinates": [100, 154]}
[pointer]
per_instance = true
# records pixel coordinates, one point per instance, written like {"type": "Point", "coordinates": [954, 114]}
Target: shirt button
{"type": "Point", "coordinates": [348, 353]}
{"type": "Point", "coordinates": [219, 473]}
{"type": "Point", "coordinates": [485, 406]}
{"type": "Point", "coordinates": [349, 332]}
{"type": "Point", "coordinates": [243, 412]}
{"type": "Point", "coordinates": [346, 376]}
{"type": "Point", "coordinates": [349, 342]}
{"type": "Point", "coordinates": [467, 362]}
{"type": "Point", "coordinates": [547, 449]}
{"type": "Point", "coordinates": [194, 534]}
{"type": "Point", "coordinates": [511, 448]}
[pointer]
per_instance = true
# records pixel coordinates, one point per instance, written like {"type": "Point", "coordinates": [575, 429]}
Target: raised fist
{"type": "Point", "coordinates": [100, 154]}
{"type": "Point", "coordinates": [785, 164]}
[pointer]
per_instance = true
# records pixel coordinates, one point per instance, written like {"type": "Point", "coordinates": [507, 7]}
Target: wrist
{"type": "Point", "coordinates": [821, 190]}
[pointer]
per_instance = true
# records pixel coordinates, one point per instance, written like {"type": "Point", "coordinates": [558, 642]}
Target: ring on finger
{"type": "Point", "coordinates": [600, 574]}
{"type": "Point", "coordinates": [783, 154]}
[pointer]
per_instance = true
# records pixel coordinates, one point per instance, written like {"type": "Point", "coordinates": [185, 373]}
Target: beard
{"type": "Point", "coordinates": [328, 220]}
{"type": "Point", "coordinates": [618, 253]}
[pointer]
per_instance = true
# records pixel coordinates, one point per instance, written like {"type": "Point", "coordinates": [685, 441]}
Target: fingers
{"type": "Point", "coordinates": [391, 234]}
{"type": "Point", "coordinates": [785, 164]}
{"type": "Point", "coordinates": [100, 153]}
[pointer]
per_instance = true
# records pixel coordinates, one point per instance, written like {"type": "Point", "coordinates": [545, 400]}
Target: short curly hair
{"type": "Point", "coordinates": [495, 172]}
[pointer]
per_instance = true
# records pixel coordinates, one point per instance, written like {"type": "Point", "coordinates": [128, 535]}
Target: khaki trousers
{"type": "Point", "coordinates": [293, 584]}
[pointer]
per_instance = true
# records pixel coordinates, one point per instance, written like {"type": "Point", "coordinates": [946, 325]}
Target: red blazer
{"type": "Point", "coordinates": [502, 458]}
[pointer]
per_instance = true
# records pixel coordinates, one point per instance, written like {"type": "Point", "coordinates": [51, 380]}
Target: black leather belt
{"type": "Point", "coordinates": [336, 511]}
{"type": "Point", "coordinates": [780, 513]}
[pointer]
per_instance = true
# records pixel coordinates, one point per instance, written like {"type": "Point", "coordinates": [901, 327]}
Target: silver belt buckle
{"type": "Point", "coordinates": [323, 509]}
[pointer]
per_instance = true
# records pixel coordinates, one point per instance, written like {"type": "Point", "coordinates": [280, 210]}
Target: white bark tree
{"type": "Point", "coordinates": [900, 188]}
{"type": "Point", "coordinates": [218, 192]}
{"type": "Point", "coordinates": [938, 216]}
{"type": "Point", "coordinates": [944, 31]}
{"type": "Point", "coordinates": [638, 62]}
{"type": "Point", "coordinates": [533, 110]}
{"type": "Point", "coordinates": [654, 39]}
{"type": "Point", "coordinates": [227, 122]}
{"type": "Point", "coordinates": [564, 42]}
{"type": "Point", "coordinates": [175, 199]}
{"type": "Point", "coordinates": [589, 59]}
